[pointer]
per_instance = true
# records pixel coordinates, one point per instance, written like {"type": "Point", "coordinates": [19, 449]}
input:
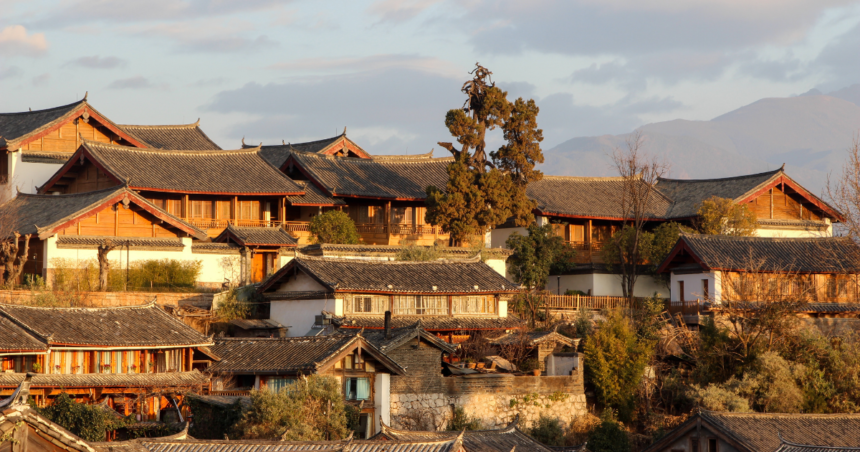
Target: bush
{"type": "Point", "coordinates": [90, 422]}
{"type": "Point", "coordinates": [460, 421]}
{"type": "Point", "coordinates": [167, 275]}
{"type": "Point", "coordinates": [334, 226]}
{"type": "Point", "coordinates": [211, 421]}
{"type": "Point", "coordinates": [416, 253]}
{"type": "Point", "coordinates": [230, 308]}
{"type": "Point", "coordinates": [548, 431]}
{"type": "Point", "coordinates": [608, 436]}
{"type": "Point", "coordinates": [717, 397]}
{"type": "Point", "coordinates": [311, 409]}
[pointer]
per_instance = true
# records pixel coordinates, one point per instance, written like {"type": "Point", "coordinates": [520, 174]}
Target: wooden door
{"type": "Point", "coordinates": [258, 267]}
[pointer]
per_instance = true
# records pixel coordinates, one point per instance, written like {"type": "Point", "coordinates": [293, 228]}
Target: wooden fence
{"type": "Point", "coordinates": [596, 303]}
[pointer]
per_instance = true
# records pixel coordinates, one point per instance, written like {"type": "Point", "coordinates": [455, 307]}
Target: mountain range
{"type": "Point", "coordinates": [809, 133]}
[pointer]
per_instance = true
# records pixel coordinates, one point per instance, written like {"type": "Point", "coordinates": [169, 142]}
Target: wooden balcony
{"type": "Point", "coordinates": [587, 252]}
{"type": "Point", "coordinates": [593, 303]}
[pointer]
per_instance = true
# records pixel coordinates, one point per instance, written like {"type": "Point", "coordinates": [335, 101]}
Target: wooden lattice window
{"type": "Point", "coordinates": [366, 304]}
{"type": "Point", "coordinates": [477, 304]}
{"type": "Point", "coordinates": [421, 305]}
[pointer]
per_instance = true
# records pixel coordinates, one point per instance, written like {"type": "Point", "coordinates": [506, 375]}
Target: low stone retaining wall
{"type": "Point", "coordinates": [493, 399]}
{"type": "Point", "coordinates": [109, 299]}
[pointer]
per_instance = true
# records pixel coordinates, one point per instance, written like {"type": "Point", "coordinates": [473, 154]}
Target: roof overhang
{"type": "Point", "coordinates": [783, 179]}
{"type": "Point", "coordinates": [681, 246]}
{"type": "Point", "coordinates": [59, 122]}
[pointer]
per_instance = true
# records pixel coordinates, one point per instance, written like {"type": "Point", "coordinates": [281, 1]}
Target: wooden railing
{"type": "Point", "coordinates": [688, 307]}
{"type": "Point", "coordinates": [586, 246]}
{"type": "Point", "coordinates": [209, 223]}
{"type": "Point", "coordinates": [576, 302]}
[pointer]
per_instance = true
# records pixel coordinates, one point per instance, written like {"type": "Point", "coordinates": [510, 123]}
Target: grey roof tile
{"type": "Point", "coordinates": [588, 197]}
{"type": "Point", "coordinates": [430, 322]}
{"type": "Point", "coordinates": [15, 338]}
{"type": "Point", "coordinates": [180, 136]}
{"type": "Point", "coordinates": [144, 326]}
{"type": "Point", "coordinates": [501, 440]}
{"type": "Point", "coordinates": [760, 431]}
{"type": "Point", "coordinates": [191, 378]}
{"type": "Point", "coordinates": [257, 236]}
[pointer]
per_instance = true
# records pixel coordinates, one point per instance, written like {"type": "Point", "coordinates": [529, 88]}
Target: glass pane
{"type": "Point", "coordinates": [362, 388]}
{"type": "Point", "coordinates": [276, 384]}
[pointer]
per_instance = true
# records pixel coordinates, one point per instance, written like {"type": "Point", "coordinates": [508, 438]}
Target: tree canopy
{"type": "Point", "coordinates": [722, 216]}
{"type": "Point", "coordinates": [334, 226]}
{"type": "Point", "coordinates": [486, 189]}
{"type": "Point", "coordinates": [536, 255]}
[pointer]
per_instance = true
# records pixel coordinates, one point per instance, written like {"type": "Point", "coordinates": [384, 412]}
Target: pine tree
{"type": "Point", "coordinates": [486, 189]}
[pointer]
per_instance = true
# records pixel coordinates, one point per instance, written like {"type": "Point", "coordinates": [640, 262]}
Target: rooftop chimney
{"type": "Point", "coordinates": [388, 324]}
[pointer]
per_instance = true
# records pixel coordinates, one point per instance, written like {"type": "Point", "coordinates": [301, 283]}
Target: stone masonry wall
{"type": "Point", "coordinates": [494, 399]}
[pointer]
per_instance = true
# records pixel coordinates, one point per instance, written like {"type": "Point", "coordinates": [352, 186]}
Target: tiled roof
{"type": "Point", "coordinates": [760, 431]}
{"type": "Point", "coordinates": [42, 213]}
{"type": "Point", "coordinates": [226, 172]}
{"type": "Point", "coordinates": [430, 322]}
{"type": "Point", "coordinates": [399, 336]}
{"type": "Point", "coordinates": [18, 127]}
{"type": "Point", "coordinates": [212, 247]}
{"type": "Point", "coordinates": [806, 255]}
{"type": "Point", "coordinates": [333, 250]}
{"type": "Point", "coordinates": [386, 179]}
{"type": "Point", "coordinates": [426, 156]}
{"type": "Point", "coordinates": [20, 414]}
{"type": "Point", "coordinates": [444, 444]}
{"type": "Point", "coordinates": [146, 326]}
{"type": "Point", "coordinates": [688, 194]}
{"type": "Point", "coordinates": [83, 241]}
{"type": "Point", "coordinates": [57, 158]}
{"type": "Point", "coordinates": [180, 136]}
{"type": "Point", "coordinates": [191, 378]}
{"type": "Point", "coordinates": [283, 355]}
{"type": "Point", "coordinates": [442, 277]}
{"type": "Point", "coordinates": [588, 197]}
{"type": "Point", "coordinates": [791, 447]}
{"type": "Point", "coordinates": [257, 236]}
{"type": "Point", "coordinates": [15, 338]}
{"type": "Point", "coordinates": [278, 154]}
{"type": "Point", "coordinates": [502, 440]}
{"type": "Point", "coordinates": [314, 197]}
{"type": "Point", "coordinates": [816, 308]}
{"type": "Point", "coordinates": [535, 338]}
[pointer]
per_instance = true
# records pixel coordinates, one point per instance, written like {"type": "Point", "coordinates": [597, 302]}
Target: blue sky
{"type": "Point", "coordinates": [389, 69]}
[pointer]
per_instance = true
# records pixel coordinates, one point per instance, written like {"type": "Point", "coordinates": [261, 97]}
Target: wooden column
{"type": "Point", "coordinates": [185, 212]}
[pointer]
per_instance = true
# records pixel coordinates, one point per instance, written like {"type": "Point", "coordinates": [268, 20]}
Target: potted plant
{"type": "Point", "coordinates": [531, 365]}
{"type": "Point", "coordinates": [134, 367]}
{"type": "Point", "coordinates": [470, 363]}
{"type": "Point", "coordinates": [37, 368]}
{"type": "Point", "coordinates": [481, 365]}
{"type": "Point", "coordinates": [57, 368]}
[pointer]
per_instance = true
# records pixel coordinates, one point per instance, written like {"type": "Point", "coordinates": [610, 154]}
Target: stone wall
{"type": "Point", "coordinates": [493, 399]}
{"type": "Point", "coordinates": [112, 299]}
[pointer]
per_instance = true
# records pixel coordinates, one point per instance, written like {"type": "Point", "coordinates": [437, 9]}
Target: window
{"type": "Point", "coordinates": [694, 444]}
{"type": "Point", "coordinates": [353, 362]}
{"type": "Point", "coordinates": [201, 209]}
{"type": "Point", "coordinates": [276, 384]}
{"type": "Point", "coordinates": [222, 210]}
{"type": "Point", "coordinates": [366, 304]}
{"type": "Point", "coordinates": [712, 445]}
{"type": "Point", "coordinates": [681, 291]}
{"type": "Point", "coordinates": [705, 292]}
{"type": "Point", "coordinates": [249, 210]}
{"type": "Point", "coordinates": [837, 287]}
{"type": "Point", "coordinates": [481, 304]}
{"type": "Point", "coordinates": [401, 215]}
{"type": "Point", "coordinates": [174, 207]}
{"type": "Point", "coordinates": [357, 388]}
{"type": "Point", "coordinates": [421, 304]}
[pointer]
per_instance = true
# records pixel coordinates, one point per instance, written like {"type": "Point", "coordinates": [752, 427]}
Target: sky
{"type": "Point", "coordinates": [388, 70]}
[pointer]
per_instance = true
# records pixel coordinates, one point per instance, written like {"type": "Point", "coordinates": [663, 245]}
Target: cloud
{"type": "Point", "coordinates": [136, 82]}
{"type": "Point", "coordinates": [10, 72]}
{"type": "Point", "coordinates": [86, 11]}
{"type": "Point", "coordinates": [391, 110]}
{"type": "Point", "coordinates": [97, 62]}
{"type": "Point", "coordinates": [207, 38]}
{"type": "Point", "coordinates": [14, 41]}
{"type": "Point", "coordinates": [399, 10]}
{"type": "Point", "coordinates": [371, 63]}
{"type": "Point", "coordinates": [40, 80]}
{"type": "Point", "coordinates": [838, 60]}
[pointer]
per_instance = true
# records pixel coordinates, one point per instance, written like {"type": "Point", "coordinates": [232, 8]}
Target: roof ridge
{"type": "Point", "coordinates": [192, 125]}
{"type": "Point", "coordinates": [583, 178]}
{"type": "Point", "coordinates": [404, 156]}
{"type": "Point", "coordinates": [70, 195]}
{"type": "Point", "coordinates": [762, 239]}
{"type": "Point", "coordinates": [148, 305]}
{"type": "Point", "coordinates": [742, 176]}
{"type": "Point", "coordinates": [304, 257]}
{"type": "Point", "coordinates": [370, 160]}
{"type": "Point", "coordinates": [169, 151]}
{"type": "Point", "coordinates": [82, 101]}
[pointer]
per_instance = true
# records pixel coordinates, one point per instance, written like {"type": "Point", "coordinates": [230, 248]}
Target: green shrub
{"type": "Point", "coordinates": [416, 253]}
{"type": "Point", "coordinates": [609, 435]}
{"type": "Point", "coordinates": [548, 430]}
{"type": "Point", "coordinates": [717, 397]}
{"type": "Point", "coordinates": [165, 275]}
{"type": "Point", "coordinates": [311, 409]}
{"type": "Point", "coordinates": [230, 308]}
{"type": "Point", "coordinates": [460, 421]}
{"type": "Point", "coordinates": [212, 421]}
{"type": "Point", "coordinates": [90, 422]}
{"type": "Point", "coordinates": [334, 226]}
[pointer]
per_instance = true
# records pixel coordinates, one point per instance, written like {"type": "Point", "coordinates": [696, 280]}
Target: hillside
{"type": "Point", "coordinates": [808, 133]}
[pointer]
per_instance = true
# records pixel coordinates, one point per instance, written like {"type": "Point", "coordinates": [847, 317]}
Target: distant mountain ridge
{"type": "Point", "coordinates": [809, 133]}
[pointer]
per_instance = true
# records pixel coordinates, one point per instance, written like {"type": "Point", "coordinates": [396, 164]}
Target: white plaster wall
{"type": "Point", "coordinates": [790, 233]}
{"type": "Point", "coordinates": [211, 271]}
{"type": "Point", "coordinates": [693, 288]}
{"type": "Point", "coordinates": [604, 285]}
{"type": "Point", "coordinates": [503, 308]}
{"type": "Point", "coordinates": [382, 392]}
{"type": "Point", "coordinates": [299, 315]}
{"type": "Point", "coordinates": [499, 236]}
{"type": "Point", "coordinates": [301, 282]}
{"type": "Point", "coordinates": [27, 176]}
{"type": "Point", "coordinates": [499, 266]}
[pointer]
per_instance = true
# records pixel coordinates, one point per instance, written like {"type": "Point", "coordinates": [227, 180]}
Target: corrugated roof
{"type": "Point", "coordinates": [145, 326]}
{"type": "Point", "coordinates": [442, 277]}
{"type": "Point", "coordinates": [163, 379]}
{"type": "Point", "coordinates": [189, 171]}
{"type": "Point", "coordinates": [179, 136]}
{"type": "Point", "coordinates": [385, 179]}
{"type": "Point", "coordinates": [42, 213]}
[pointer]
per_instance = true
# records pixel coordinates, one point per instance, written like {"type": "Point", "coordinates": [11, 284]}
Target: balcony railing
{"type": "Point", "coordinates": [687, 307]}
{"type": "Point", "coordinates": [209, 223]}
{"type": "Point", "coordinates": [596, 303]}
{"type": "Point", "coordinates": [304, 226]}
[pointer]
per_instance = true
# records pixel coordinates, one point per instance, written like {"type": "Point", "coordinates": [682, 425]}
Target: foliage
{"type": "Point", "coordinates": [166, 275]}
{"type": "Point", "coordinates": [719, 397]}
{"type": "Point", "coordinates": [353, 417]}
{"type": "Point", "coordinates": [310, 409]}
{"type": "Point", "coordinates": [529, 365]}
{"type": "Point", "coordinates": [536, 254]}
{"type": "Point", "coordinates": [609, 435]}
{"type": "Point", "coordinates": [480, 193]}
{"type": "Point", "coordinates": [230, 308]}
{"type": "Point", "coordinates": [548, 430]}
{"type": "Point", "coordinates": [615, 359]}
{"type": "Point", "coordinates": [648, 318]}
{"type": "Point", "coordinates": [334, 226]}
{"type": "Point", "coordinates": [528, 306]}
{"type": "Point", "coordinates": [653, 247]}
{"type": "Point", "coordinates": [417, 253]}
{"type": "Point", "coordinates": [583, 323]}
{"type": "Point", "coordinates": [722, 216]}
{"type": "Point", "coordinates": [517, 349]}
{"type": "Point", "coordinates": [211, 421]}
{"type": "Point", "coordinates": [461, 421]}
{"type": "Point", "coordinates": [90, 422]}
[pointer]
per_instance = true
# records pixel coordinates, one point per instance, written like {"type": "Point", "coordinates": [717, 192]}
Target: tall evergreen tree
{"type": "Point", "coordinates": [487, 188]}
